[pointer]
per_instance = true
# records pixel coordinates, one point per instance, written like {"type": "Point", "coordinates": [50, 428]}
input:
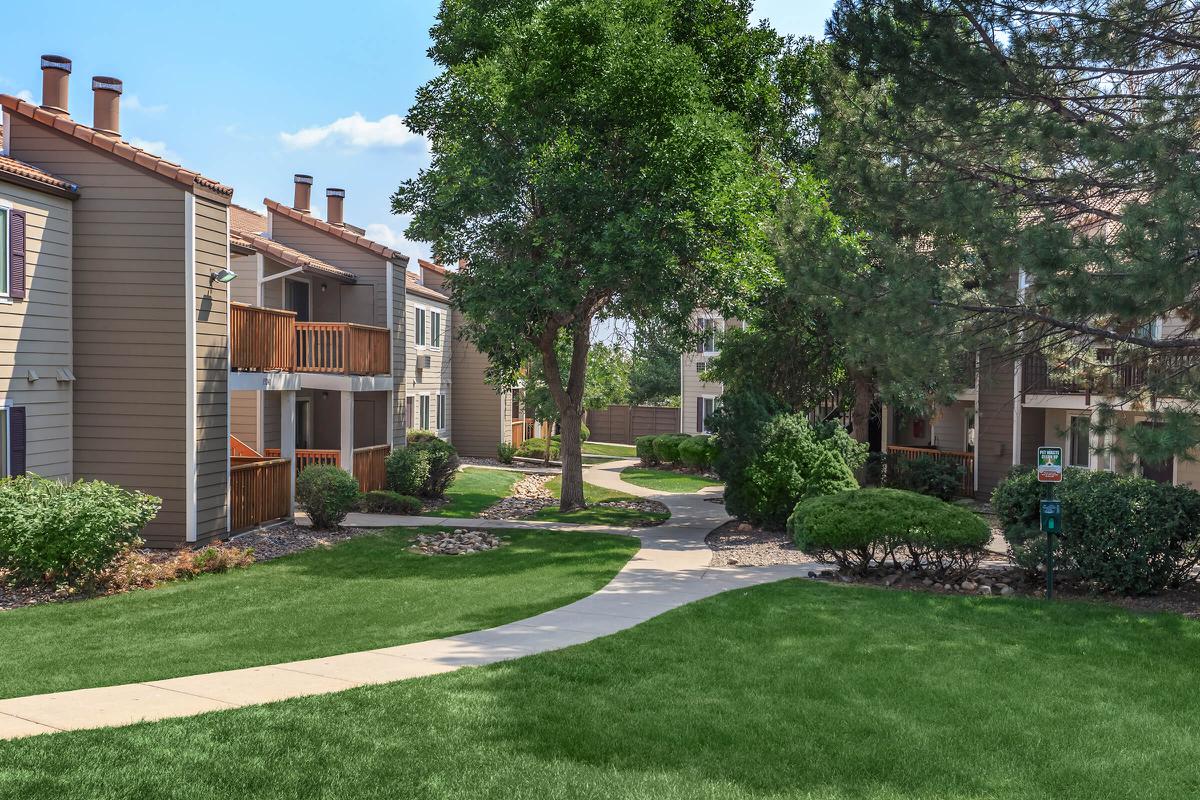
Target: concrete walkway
{"type": "Point", "coordinates": [670, 570]}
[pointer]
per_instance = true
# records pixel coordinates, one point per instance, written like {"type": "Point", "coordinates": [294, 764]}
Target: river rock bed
{"type": "Point", "coordinates": [459, 542]}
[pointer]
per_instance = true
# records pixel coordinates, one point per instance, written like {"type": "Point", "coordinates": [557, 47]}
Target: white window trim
{"type": "Point", "coordinates": [425, 416]}
{"type": "Point", "coordinates": [441, 315]}
{"type": "Point", "coordinates": [717, 327]}
{"type": "Point", "coordinates": [441, 408]}
{"type": "Point", "coordinates": [703, 422]}
{"type": "Point", "coordinates": [420, 334]}
{"type": "Point", "coordinates": [6, 268]}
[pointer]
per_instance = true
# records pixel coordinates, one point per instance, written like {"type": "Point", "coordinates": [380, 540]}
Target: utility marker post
{"type": "Point", "coordinates": [1050, 472]}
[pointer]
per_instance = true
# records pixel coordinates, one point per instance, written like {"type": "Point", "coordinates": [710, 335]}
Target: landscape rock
{"type": "Point", "coordinates": [459, 542]}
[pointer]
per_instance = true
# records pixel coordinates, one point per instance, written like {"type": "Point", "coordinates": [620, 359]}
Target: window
{"type": "Point", "coordinates": [425, 412]}
{"type": "Point", "coordinates": [709, 328]}
{"type": "Point", "coordinates": [5, 455]}
{"type": "Point", "coordinates": [435, 324]}
{"type": "Point", "coordinates": [4, 265]}
{"type": "Point", "coordinates": [705, 406]}
{"type": "Point", "coordinates": [1151, 330]}
{"type": "Point", "coordinates": [441, 412]}
{"type": "Point", "coordinates": [420, 326]}
{"type": "Point", "coordinates": [1078, 445]}
{"type": "Point", "coordinates": [298, 298]}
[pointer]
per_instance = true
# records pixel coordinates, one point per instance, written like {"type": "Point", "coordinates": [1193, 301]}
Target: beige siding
{"type": "Point", "coordinates": [212, 370]}
{"type": "Point", "coordinates": [691, 386]}
{"type": "Point", "coordinates": [244, 288]}
{"type": "Point", "coordinates": [950, 427]}
{"type": "Point", "coordinates": [35, 332]}
{"type": "Point", "coordinates": [399, 358]}
{"type": "Point", "coordinates": [243, 418]}
{"type": "Point", "coordinates": [434, 379]}
{"type": "Point", "coordinates": [128, 298]}
{"type": "Point", "coordinates": [480, 417]}
{"type": "Point", "coordinates": [995, 422]}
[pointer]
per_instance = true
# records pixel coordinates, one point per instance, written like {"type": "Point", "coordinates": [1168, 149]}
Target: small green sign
{"type": "Point", "coordinates": [1049, 464]}
{"type": "Point", "coordinates": [1051, 514]}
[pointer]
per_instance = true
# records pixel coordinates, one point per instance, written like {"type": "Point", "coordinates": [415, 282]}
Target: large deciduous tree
{"type": "Point", "coordinates": [591, 158]}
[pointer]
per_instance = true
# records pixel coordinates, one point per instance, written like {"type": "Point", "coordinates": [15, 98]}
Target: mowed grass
{"type": "Point", "coordinates": [475, 489]}
{"type": "Point", "coordinates": [368, 592]}
{"type": "Point", "coordinates": [605, 449]}
{"type": "Point", "coordinates": [790, 690]}
{"type": "Point", "coordinates": [666, 481]}
{"type": "Point", "coordinates": [597, 515]}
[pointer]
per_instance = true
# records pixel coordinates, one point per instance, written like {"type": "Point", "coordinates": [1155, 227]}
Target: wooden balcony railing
{"type": "Point", "coordinates": [307, 458]}
{"type": "Point", "coordinates": [261, 339]}
{"type": "Point", "coordinates": [269, 339]}
{"type": "Point", "coordinates": [964, 460]}
{"type": "Point", "coordinates": [370, 467]}
{"type": "Point", "coordinates": [1040, 375]}
{"type": "Point", "coordinates": [518, 432]}
{"type": "Point", "coordinates": [259, 491]}
{"type": "Point", "coordinates": [342, 348]}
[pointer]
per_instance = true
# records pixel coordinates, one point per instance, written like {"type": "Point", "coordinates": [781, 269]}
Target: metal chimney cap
{"type": "Point", "coordinates": [335, 192]}
{"type": "Point", "coordinates": [107, 83]}
{"type": "Point", "coordinates": [304, 179]}
{"type": "Point", "coordinates": [56, 62]}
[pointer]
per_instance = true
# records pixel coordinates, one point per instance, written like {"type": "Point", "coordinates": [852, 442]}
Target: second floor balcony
{"type": "Point", "coordinates": [1102, 375]}
{"type": "Point", "coordinates": [272, 340]}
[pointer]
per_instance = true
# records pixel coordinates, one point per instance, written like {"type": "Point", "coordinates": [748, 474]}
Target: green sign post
{"type": "Point", "coordinates": [1050, 472]}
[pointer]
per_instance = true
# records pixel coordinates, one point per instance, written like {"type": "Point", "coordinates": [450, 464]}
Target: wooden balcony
{"type": "Point", "coordinates": [964, 460]}
{"type": "Point", "coordinates": [259, 491]}
{"type": "Point", "coordinates": [1040, 375]}
{"type": "Point", "coordinates": [369, 463]}
{"type": "Point", "coordinates": [268, 339]}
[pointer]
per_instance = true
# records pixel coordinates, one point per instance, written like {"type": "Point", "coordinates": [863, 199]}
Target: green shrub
{"type": "Point", "coordinates": [585, 432]}
{"type": "Point", "coordinates": [865, 527]}
{"type": "Point", "coordinates": [418, 435]}
{"type": "Point", "coordinates": [67, 532]}
{"type": "Point", "coordinates": [645, 450]}
{"type": "Point", "coordinates": [326, 493]}
{"type": "Point", "coordinates": [926, 475]}
{"type": "Point", "coordinates": [505, 452]}
{"type": "Point", "coordinates": [381, 501]}
{"type": "Point", "coordinates": [1121, 533]}
{"type": "Point", "coordinates": [536, 448]}
{"type": "Point", "coordinates": [407, 470]}
{"type": "Point", "coordinates": [443, 465]}
{"type": "Point", "coordinates": [789, 461]}
{"type": "Point", "coordinates": [666, 447]}
{"type": "Point", "coordinates": [698, 452]}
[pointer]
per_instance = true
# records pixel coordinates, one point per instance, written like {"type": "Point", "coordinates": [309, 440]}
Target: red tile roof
{"type": "Point", "coordinates": [31, 175]}
{"type": "Point", "coordinates": [413, 285]}
{"type": "Point", "coordinates": [115, 146]}
{"type": "Point", "coordinates": [333, 230]}
{"type": "Point", "coordinates": [245, 231]}
{"type": "Point", "coordinates": [438, 268]}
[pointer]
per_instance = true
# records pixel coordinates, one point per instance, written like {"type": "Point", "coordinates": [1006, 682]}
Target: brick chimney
{"type": "Point", "coordinates": [334, 199]}
{"type": "Point", "coordinates": [303, 199]}
{"type": "Point", "coordinates": [56, 78]}
{"type": "Point", "coordinates": [106, 108]}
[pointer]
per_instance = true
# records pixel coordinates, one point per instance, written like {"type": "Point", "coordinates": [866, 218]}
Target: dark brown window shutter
{"type": "Point", "coordinates": [16, 445]}
{"type": "Point", "coordinates": [16, 254]}
{"type": "Point", "coordinates": [699, 415]}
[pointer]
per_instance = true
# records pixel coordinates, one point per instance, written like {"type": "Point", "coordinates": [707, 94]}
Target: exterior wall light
{"type": "Point", "coordinates": [221, 276]}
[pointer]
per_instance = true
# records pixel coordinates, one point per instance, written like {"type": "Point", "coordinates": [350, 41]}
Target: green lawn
{"type": "Point", "coordinates": [791, 690]}
{"type": "Point", "coordinates": [474, 490]}
{"type": "Point", "coordinates": [367, 592]}
{"type": "Point", "coordinates": [602, 449]}
{"type": "Point", "coordinates": [661, 480]}
{"type": "Point", "coordinates": [597, 515]}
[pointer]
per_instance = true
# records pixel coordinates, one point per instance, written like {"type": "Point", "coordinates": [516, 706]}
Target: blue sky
{"type": "Point", "coordinates": [249, 93]}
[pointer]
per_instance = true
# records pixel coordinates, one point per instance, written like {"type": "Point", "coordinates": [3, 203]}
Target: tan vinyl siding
{"type": "Point", "coordinates": [479, 416]}
{"type": "Point", "coordinates": [691, 386]}
{"type": "Point", "coordinates": [212, 371]}
{"type": "Point", "coordinates": [995, 422]}
{"type": "Point", "coordinates": [950, 427]}
{"type": "Point", "coordinates": [399, 357]}
{"type": "Point", "coordinates": [244, 288]}
{"type": "Point", "coordinates": [128, 299]}
{"type": "Point", "coordinates": [243, 417]}
{"type": "Point", "coordinates": [35, 332]}
{"type": "Point", "coordinates": [435, 378]}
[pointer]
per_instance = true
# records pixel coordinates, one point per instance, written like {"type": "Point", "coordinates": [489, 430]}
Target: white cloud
{"type": "Point", "coordinates": [156, 148]}
{"type": "Point", "coordinates": [131, 102]}
{"type": "Point", "coordinates": [25, 95]}
{"type": "Point", "coordinates": [386, 235]}
{"type": "Point", "coordinates": [355, 131]}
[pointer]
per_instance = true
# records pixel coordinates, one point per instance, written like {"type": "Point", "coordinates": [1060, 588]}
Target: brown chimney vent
{"type": "Point", "coordinates": [303, 193]}
{"type": "Point", "coordinates": [56, 78]}
{"type": "Point", "coordinates": [106, 108]}
{"type": "Point", "coordinates": [334, 199]}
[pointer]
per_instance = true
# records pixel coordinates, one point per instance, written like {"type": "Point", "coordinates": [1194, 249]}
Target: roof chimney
{"type": "Point", "coordinates": [303, 193]}
{"type": "Point", "coordinates": [106, 109]}
{"type": "Point", "coordinates": [334, 198]}
{"type": "Point", "coordinates": [56, 75]}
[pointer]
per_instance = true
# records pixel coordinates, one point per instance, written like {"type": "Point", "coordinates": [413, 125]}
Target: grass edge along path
{"type": "Point", "coordinates": [475, 489]}
{"type": "Point", "coordinates": [666, 481]}
{"type": "Point", "coordinates": [597, 514]}
{"type": "Point", "coordinates": [788, 690]}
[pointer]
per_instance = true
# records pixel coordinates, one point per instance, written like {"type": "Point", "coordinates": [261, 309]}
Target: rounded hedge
{"type": "Point", "coordinates": [381, 501]}
{"type": "Point", "coordinates": [407, 470]}
{"type": "Point", "coordinates": [645, 450]}
{"type": "Point", "coordinates": [698, 452]}
{"type": "Point", "coordinates": [666, 447]}
{"type": "Point", "coordinates": [443, 465]}
{"type": "Point", "coordinates": [864, 527]}
{"type": "Point", "coordinates": [326, 493]}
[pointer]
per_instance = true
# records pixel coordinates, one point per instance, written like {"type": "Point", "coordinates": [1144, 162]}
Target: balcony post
{"type": "Point", "coordinates": [287, 440]}
{"type": "Point", "coordinates": [346, 456]}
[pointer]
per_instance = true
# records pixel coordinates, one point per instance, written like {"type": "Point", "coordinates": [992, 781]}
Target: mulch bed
{"type": "Point", "coordinates": [740, 544]}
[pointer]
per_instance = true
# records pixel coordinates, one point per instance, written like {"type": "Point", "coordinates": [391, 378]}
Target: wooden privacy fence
{"type": "Point", "coordinates": [369, 467]}
{"type": "Point", "coordinates": [261, 339]}
{"type": "Point", "coordinates": [964, 460]}
{"type": "Point", "coordinates": [623, 424]}
{"type": "Point", "coordinates": [259, 491]}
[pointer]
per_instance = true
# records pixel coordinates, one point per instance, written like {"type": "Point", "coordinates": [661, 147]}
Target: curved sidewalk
{"type": "Point", "coordinates": [670, 570]}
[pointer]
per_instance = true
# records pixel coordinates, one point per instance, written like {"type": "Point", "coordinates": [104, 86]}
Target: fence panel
{"type": "Point", "coordinates": [623, 424]}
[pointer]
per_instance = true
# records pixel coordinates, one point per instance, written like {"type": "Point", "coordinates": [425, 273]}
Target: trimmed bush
{"type": "Point", "coordinates": [505, 452]}
{"type": "Point", "coordinates": [666, 447]}
{"type": "Point", "coordinates": [67, 532]}
{"type": "Point", "coordinates": [867, 527]}
{"type": "Point", "coordinates": [407, 470]}
{"type": "Point", "coordinates": [645, 450]}
{"type": "Point", "coordinates": [443, 465]}
{"type": "Point", "coordinates": [698, 452]}
{"type": "Point", "coordinates": [326, 493]}
{"type": "Point", "coordinates": [926, 475]}
{"type": "Point", "coordinates": [585, 432]}
{"type": "Point", "coordinates": [418, 435]}
{"type": "Point", "coordinates": [536, 448]}
{"type": "Point", "coordinates": [1121, 533]}
{"type": "Point", "coordinates": [381, 501]}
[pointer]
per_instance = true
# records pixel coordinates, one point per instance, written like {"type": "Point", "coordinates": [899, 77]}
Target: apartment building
{"type": "Point", "coordinates": [698, 398]}
{"type": "Point", "coordinates": [140, 241]}
{"type": "Point", "coordinates": [429, 357]}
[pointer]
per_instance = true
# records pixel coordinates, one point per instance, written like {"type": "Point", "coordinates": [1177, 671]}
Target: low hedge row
{"type": "Point", "coordinates": [677, 449]}
{"type": "Point", "coordinates": [862, 528]}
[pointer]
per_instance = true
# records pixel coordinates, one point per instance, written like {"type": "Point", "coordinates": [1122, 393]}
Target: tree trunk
{"type": "Point", "coordinates": [860, 414]}
{"type": "Point", "coordinates": [571, 454]}
{"type": "Point", "coordinates": [569, 400]}
{"type": "Point", "coordinates": [546, 439]}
